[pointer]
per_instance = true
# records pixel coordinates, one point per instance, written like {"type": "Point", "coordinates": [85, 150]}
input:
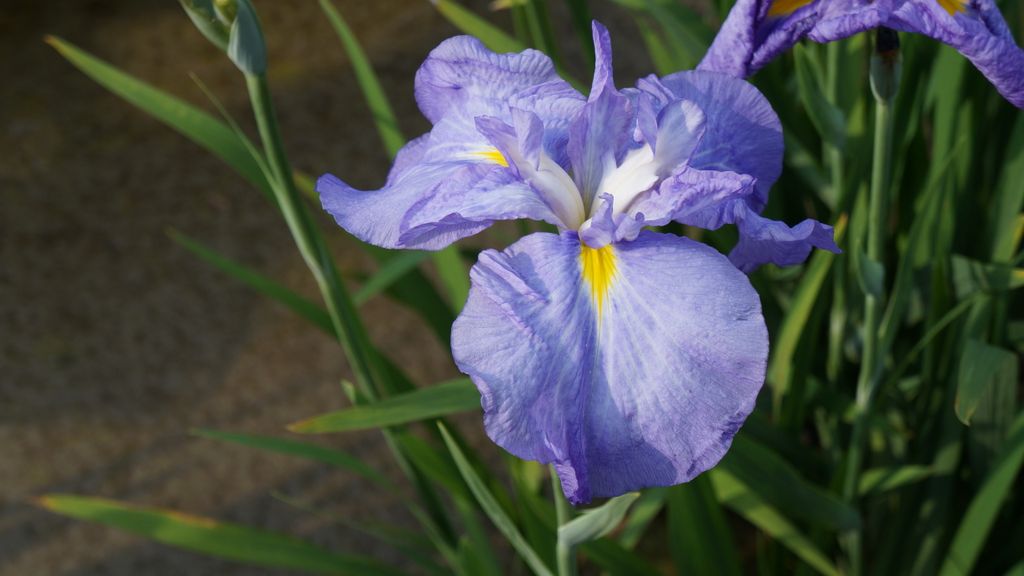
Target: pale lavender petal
{"type": "Point", "coordinates": [764, 241]}
{"type": "Point", "coordinates": [557, 104]}
{"type": "Point", "coordinates": [462, 75]}
{"type": "Point", "coordinates": [750, 38]}
{"type": "Point", "coordinates": [743, 133]}
{"type": "Point", "coordinates": [980, 34]}
{"type": "Point", "coordinates": [601, 130]}
{"type": "Point", "coordinates": [707, 199]}
{"type": "Point", "coordinates": [647, 391]}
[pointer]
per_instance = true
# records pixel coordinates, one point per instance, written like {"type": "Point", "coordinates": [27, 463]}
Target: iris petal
{"type": "Point", "coordinates": [463, 75]}
{"type": "Point", "coordinates": [450, 183]}
{"type": "Point", "coordinates": [648, 393]}
{"type": "Point", "coordinates": [743, 133]}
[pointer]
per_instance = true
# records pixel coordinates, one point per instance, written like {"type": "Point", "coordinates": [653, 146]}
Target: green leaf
{"type": "Point", "coordinates": [827, 119]}
{"type": "Point", "coordinates": [490, 506]}
{"type": "Point", "coordinates": [981, 366]}
{"type": "Point", "coordinates": [391, 271]}
{"type": "Point", "coordinates": [646, 509]}
{"type": "Point", "coordinates": [1009, 198]}
{"type": "Point", "coordinates": [709, 549]}
{"type": "Point", "coordinates": [597, 522]}
{"type": "Point", "coordinates": [439, 400]}
{"type": "Point", "coordinates": [196, 125]}
{"type": "Point", "coordinates": [380, 108]}
{"type": "Point", "coordinates": [782, 487]}
{"type": "Point", "coordinates": [985, 507]}
{"type": "Point", "coordinates": [208, 536]}
{"type": "Point", "coordinates": [879, 480]}
{"type": "Point", "coordinates": [303, 450]}
{"type": "Point", "coordinates": [469, 23]}
{"type": "Point", "coordinates": [741, 499]}
{"type": "Point", "coordinates": [434, 463]}
{"type": "Point", "coordinates": [870, 275]}
{"type": "Point", "coordinates": [202, 14]}
{"type": "Point", "coordinates": [305, 308]}
{"type": "Point", "coordinates": [970, 276]}
{"type": "Point", "coordinates": [798, 314]}
{"type": "Point", "coordinates": [454, 276]}
{"type": "Point", "coordinates": [246, 47]}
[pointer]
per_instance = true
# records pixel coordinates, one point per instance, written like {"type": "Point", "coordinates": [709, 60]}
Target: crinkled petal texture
{"type": "Point", "coordinates": [453, 182]}
{"type": "Point", "coordinates": [757, 31]}
{"type": "Point", "coordinates": [977, 31]}
{"type": "Point", "coordinates": [626, 367]}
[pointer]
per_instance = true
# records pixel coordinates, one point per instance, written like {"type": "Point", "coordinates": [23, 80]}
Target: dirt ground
{"type": "Point", "coordinates": [114, 341]}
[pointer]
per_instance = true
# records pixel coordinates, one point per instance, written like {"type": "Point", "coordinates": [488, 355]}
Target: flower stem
{"type": "Point", "coordinates": [565, 556]}
{"type": "Point", "coordinates": [311, 246]}
{"type": "Point", "coordinates": [350, 331]}
{"type": "Point", "coordinates": [885, 70]}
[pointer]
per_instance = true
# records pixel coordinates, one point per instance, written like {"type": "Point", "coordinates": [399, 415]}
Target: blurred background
{"type": "Point", "coordinates": [115, 341]}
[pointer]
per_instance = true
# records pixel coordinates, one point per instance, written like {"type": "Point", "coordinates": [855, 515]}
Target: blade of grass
{"type": "Point", "coordinates": [380, 108]}
{"type": "Point", "coordinates": [422, 404]}
{"type": "Point", "coordinates": [985, 506]}
{"type": "Point", "coordinates": [303, 450]}
{"type": "Point", "coordinates": [736, 495]}
{"type": "Point", "coordinates": [782, 487]}
{"type": "Point", "coordinates": [208, 536]}
{"type": "Point", "coordinates": [468, 22]}
{"type": "Point", "coordinates": [194, 124]}
{"type": "Point", "coordinates": [709, 549]}
{"type": "Point", "coordinates": [391, 271]}
{"type": "Point", "coordinates": [795, 321]}
{"type": "Point", "coordinates": [490, 506]}
{"type": "Point", "coordinates": [311, 311]}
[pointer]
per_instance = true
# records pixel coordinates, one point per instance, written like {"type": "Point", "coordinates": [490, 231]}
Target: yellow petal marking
{"type": "Point", "coordinates": [953, 6]}
{"type": "Point", "coordinates": [787, 7]}
{"type": "Point", "coordinates": [598, 272]}
{"type": "Point", "coordinates": [492, 155]}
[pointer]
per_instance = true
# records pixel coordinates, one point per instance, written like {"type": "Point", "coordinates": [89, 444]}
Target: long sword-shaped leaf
{"type": "Point", "coordinates": [709, 549]}
{"type": "Point", "coordinates": [450, 267]}
{"type": "Point", "coordinates": [785, 346]}
{"type": "Point", "coordinates": [981, 514]}
{"type": "Point", "coordinates": [492, 508]}
{"type": "Point", "coordinates": [303, 450]}
{"type": "Point", "coordinates": [782, 487]}
{"type": "Point", "coordinates": [468, 22]}
{"type": "Point", "coordinates": [598, 522]}
{"type": "Point", "coordinates": [380, 109]}
{"type": "Point", "coordinates": [196, 125]}
{"type": "Point", "coordinates": [208, 536]}
{"type": "Point", "coordinates": [741, 499]}
{"type": "Point", "coordinates": [304, 307]}
{"type": "Point", "coordinates": [447, 398]}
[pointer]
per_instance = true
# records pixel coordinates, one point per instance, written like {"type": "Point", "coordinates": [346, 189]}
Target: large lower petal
{"type": "Point", "coordinates": [626, 367]}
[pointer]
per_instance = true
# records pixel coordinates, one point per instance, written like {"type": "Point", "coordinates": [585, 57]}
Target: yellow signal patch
{"type": "Point", "coordinates": [598, 272]}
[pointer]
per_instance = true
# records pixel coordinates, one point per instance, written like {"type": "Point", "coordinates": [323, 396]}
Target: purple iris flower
{"type": "Point", "coordinates": [625, 357]}
{"type": "Point", "coordinates": [756, 31]}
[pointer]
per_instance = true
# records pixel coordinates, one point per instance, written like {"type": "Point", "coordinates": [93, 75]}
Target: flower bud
{"type": "Point", "coordinates": [208, 21]}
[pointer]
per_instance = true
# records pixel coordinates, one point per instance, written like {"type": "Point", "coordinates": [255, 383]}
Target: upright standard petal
{"type": "Point", "coordinates": [454, 182]}
{"type": "Point", "coordinates": [743, 133]}
{"type": "Point", "coordinates": [463, 75]}
{"type": "Point", "coordinates": [628, 366]}
{"type": "Point", "coordinates": [601, 130]}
